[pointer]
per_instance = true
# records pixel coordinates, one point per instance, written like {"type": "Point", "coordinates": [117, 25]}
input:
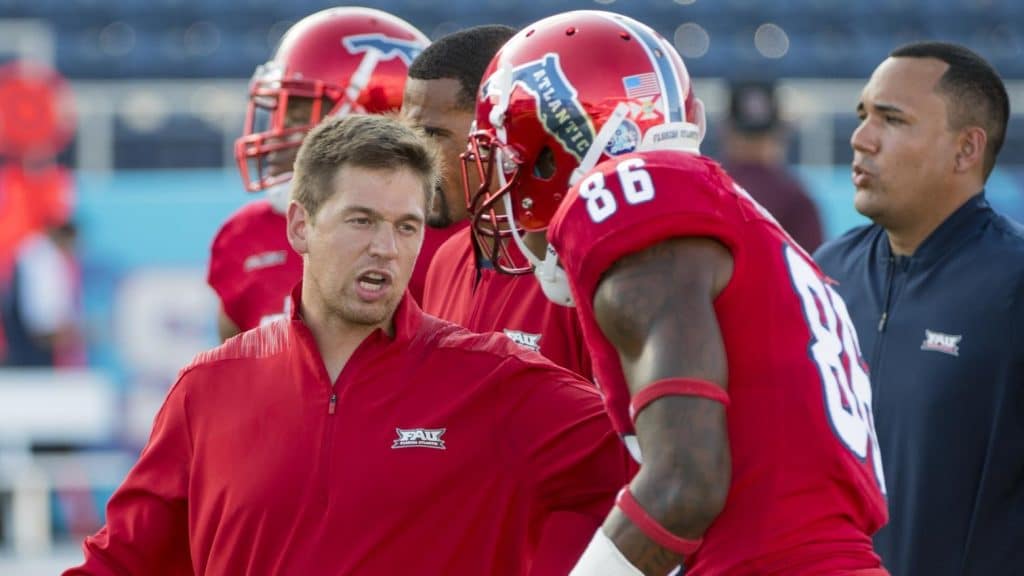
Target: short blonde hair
{"type": "Point", "coordinates": [366, 141]}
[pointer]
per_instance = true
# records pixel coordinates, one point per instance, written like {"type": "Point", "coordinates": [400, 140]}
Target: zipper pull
{"type": "Point", "coordinates": [332, 404]}
{"type": "Point", "coordinates": [881, 321]}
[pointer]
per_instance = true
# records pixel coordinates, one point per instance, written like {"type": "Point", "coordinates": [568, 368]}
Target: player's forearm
{"type": "Point", "coordinates": [683, 483]}
{"type": "Point", "coordinates": [639, 550]}
{"type": "Point", "coordinates": [621, 548]}
{"type": "Point", "coordinates": [684, 504]}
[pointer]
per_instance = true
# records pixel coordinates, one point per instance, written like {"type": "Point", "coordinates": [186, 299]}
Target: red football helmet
{"type": "Point", "coordinates": [562, 95]}
{"type": "Point", "coordinates": [337, 61]}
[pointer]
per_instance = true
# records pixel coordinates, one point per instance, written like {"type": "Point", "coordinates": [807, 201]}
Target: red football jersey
{"type": "Point", "coordinates": [806, 491]}
{"type": "Point", "coordinates": [485, 300]}
{"type": "Point", "coordinates": [433, 238]}
{"type": "Point", "coordinates": [253, 267]}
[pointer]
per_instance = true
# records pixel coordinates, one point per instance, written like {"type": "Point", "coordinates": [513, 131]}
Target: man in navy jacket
{"type": "Point", "coordinates": [935, 288]}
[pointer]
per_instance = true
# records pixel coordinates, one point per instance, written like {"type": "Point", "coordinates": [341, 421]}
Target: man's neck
{"type": "Point", "coordinates": [336, 338]}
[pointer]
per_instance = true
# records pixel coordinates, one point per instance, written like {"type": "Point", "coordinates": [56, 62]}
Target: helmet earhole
{"type": "Point", "coordinates": [544, 167]}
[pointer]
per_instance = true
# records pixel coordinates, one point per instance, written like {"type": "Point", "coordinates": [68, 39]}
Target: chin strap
{"type": "Point", "coordinates": [553, 281]}
{"type": "Point", "coordinates": [604, 135]}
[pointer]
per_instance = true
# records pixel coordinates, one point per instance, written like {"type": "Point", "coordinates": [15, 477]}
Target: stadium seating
{"type": "Point", "coordinates": [226, 38]}
{"type": "Point", "coordinates": [725, 39]}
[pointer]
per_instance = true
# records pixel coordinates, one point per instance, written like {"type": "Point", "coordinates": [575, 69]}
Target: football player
{"type": "Point", "coordinates": [465, 284]}
{"type": "Point", "coordinates": [717, 342]}
{"type": "Point", "coordinates": [440, 98]}
{"type": "Point", "coordinates": [334, 62]}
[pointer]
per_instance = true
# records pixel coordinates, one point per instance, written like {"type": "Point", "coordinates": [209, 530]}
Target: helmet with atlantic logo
{"type": "Point", "coordinates": [334, 62]}
{"type": "Point", "coordinates": [562, 95]}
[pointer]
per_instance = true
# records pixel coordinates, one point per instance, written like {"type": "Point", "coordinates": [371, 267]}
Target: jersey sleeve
{"type": "Point", "coordinates": [224, 274]}
{"type": "Point", "coordinates": [147, 517]}
{"type": "Point", "coordinates": [635, 201]}
{"type": "Point", "coordinates": [628, 204]}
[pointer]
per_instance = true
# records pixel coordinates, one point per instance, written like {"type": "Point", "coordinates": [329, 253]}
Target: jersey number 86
{"type": "Point", "coordinates": [634, 181]}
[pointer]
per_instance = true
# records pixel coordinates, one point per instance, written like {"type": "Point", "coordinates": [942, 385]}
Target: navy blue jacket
{"type": "Point", "coordinates": [943, 334]}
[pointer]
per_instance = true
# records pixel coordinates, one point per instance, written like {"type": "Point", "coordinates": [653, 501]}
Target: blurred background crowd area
{"type": "Point", "coordinates": [117, 124]}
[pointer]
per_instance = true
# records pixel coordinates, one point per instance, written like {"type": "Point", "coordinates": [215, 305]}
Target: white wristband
{"type": "Point", "coordinates": [603, 558]}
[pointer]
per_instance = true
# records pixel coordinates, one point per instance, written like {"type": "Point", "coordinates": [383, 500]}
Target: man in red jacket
{"type": "Point", "coordinates": [360, 436]}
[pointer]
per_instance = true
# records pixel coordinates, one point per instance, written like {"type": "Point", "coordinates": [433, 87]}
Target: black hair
{"type": "Point", "coordinates": [976, 93]}
{"type": "Point", "coordinates": [463, 56]}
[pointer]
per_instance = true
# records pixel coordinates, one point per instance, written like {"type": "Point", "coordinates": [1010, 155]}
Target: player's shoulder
{"type": "Point", "coordinates": [255, 210]}
{"type": "Point", "coordinates": [665, 165]}
{"type": "Point", "coordinates": [453, 257]}
{"type": "Point", "coordinates": [646, 197]}
{"type": "Point", "coordinates": [449, 337]}
{"type": "Point", "coordinates": [248, 216]}
{"type": "Point", "coordinates": [257, 231]}
{"type": "Point", "coordinates": [262, 342]}
{"type": "Point", "coordinates": [454, 247]}
{"type": "Point", "coordinates": [677, 160]}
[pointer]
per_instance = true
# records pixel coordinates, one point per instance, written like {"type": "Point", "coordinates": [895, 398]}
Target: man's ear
{"type": "Point", "coordinates": [299, 223]}
{"type": "Point", "coordinates": [971, 148]}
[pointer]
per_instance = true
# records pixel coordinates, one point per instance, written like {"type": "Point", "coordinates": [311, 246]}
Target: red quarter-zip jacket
{"type": "Point", "coordinates": [437, 451]}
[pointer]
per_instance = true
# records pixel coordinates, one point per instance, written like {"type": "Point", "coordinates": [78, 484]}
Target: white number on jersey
{"type": "Point", "coordinates": [836, 352]}
{"type": "Point", "coordinates": [635, 182]}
